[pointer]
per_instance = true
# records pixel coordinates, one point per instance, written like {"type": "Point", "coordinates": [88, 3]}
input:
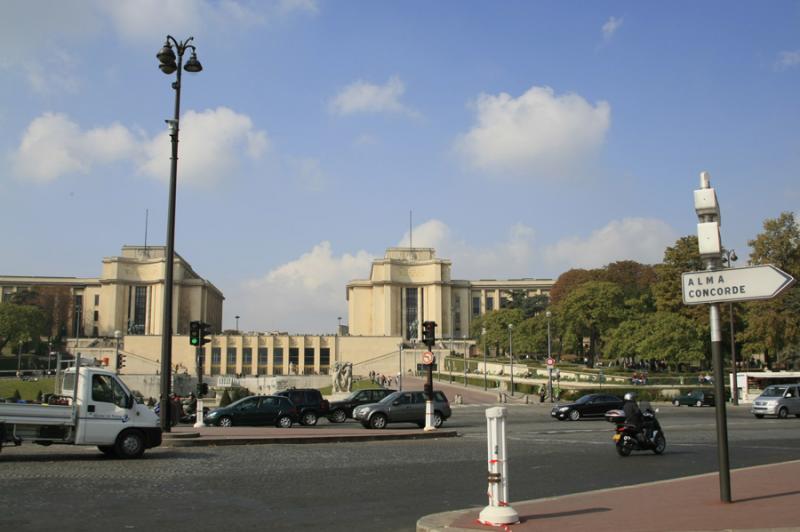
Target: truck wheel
{"type": "Point", "coordinates": [338, 416]}
{"type": "Point", "coordinates": [130, 444]}
{"type": "Point", "coordinates": [107, 450]}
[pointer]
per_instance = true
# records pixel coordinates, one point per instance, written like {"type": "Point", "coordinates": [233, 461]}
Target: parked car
{"type": "Point", "coordinates": [778, 400]}
{"type": "Point", "coordinates": [309, 402]}
{"type": "Point", "coordinates": [695, 398]}
{"type": "Point", "coordinates": [591, 405]}
{"type": "Point", "coordinates": [403, 407]}
{"type": "Point", "coordinates": [341, 410]}
{"type": "Point", "coordinates": [258, 410]}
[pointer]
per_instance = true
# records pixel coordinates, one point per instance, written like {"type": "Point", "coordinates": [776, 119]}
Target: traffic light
{"type": "Point", "coordinates": [194, 333]}
{"type": "Point", "coordinates": [205, 329]}
{"type": "Point", "coordinates": [120, 361]}
{"type": "Point", "coordinates": [429, 333]}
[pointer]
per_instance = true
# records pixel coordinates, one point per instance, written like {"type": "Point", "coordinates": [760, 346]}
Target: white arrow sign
{"type": "Point", "coordinates": [734, 284]}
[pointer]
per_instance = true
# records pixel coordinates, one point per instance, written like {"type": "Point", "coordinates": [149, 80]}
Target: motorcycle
{"type": "Point", "coordinates": [629, 438]}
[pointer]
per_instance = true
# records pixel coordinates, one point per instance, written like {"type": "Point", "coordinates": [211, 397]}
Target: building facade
{"type": "Point", "coordinates": [410, 285]}
{"type": "Point", "coordinates": [128, 296]}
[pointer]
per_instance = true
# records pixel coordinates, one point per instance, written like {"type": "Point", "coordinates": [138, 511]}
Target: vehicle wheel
{"type": "Point", "coordinates": [574, 415]}
{"type": "Point", "coordinates": [284, 422]}
{"type": "Point", "coordinates": [676, 402]}
{"type": "Point", "coordinates": [309, 418]}
{"type": "Point", "coordinates": [225, 421]}
{"type": "Point", "coordinates": [377, 421]}
{"type": "Point", "coordinates": [130, 444]}
{"type": "Point", "coordinates": [623, 450]}
{"type": "Point", "coordinates": [438, 420]}
{"type": "Point", "coordinates": [783, 413]}
{"type": "Point", "coordinates": [661, 444]}
{"type": "Point", "coordinates": [338, 416]}
{"type": "Point", "coordinates": [699, 403]}
{"type": "Point", "coordinates": [107, 450]}
{"type": "Point", "coordinates": [759, 416]}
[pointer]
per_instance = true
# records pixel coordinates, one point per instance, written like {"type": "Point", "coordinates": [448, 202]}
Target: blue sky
{"type": "Point", "coordinates": [526, 137]}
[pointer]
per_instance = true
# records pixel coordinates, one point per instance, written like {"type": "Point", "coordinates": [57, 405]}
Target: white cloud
{"type": "Point", "coordinates": [535, 135]}
{"type": "Point", "coordinates": [611, 26]}
{"type": "Point", "coordinates": [306, 294]}
{"type": "Point", "coordinates": [363, 97]}
{"type": "Point", "coordinates": [212, 144]}
{"type": "Point", "coordinates": [53, 145]}
{"type": "Point", "coordinates": [788, 59]}
{"type": "Point", "coordinates": [639, 239]}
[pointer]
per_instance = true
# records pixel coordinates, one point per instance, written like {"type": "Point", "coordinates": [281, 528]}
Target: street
{"type": "Point", "coordinates": [360, 486]}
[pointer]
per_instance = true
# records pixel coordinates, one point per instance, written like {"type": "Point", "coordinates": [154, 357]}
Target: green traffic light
{"type": "Point", "coordinates": [194, 341]}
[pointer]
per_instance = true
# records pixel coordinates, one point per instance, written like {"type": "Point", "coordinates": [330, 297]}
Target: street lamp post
{"type": "Point", "coordinates": [729, 257]}
{"type": "Point", "coordinates": [485, 383]}
{"type": "Point", "coordinates": [511, 356]}
{"type": "Point", "coordinates": [237, 323]}
{"type": "Point", "coordinates": [166, 57]}
{"type": "Point", "coordinates": [548, 314]}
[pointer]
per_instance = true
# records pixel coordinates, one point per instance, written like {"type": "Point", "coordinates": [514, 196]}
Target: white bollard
{"type": "Point", "coordinates": [199, 419]}
{"type": "Point", "coordinates": [429, 416]}
{"type": "Point", "coordinates": [498, 512]}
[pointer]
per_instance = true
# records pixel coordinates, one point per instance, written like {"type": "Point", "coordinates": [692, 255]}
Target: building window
{"type": "Point", "coordinates": [216, 356]}
{"type": "Point", "coordinates": [308, 357]}
{"type": "Point", "coordinates": [263, 356]}
{"type": "Point", "coordinates": [476, 305]}
{"type": "Point", "coordinates": [247, 360]}
{"type": "Point", "coordinates": [489, 303]}
{"type": "Point", "coordinates": [96, 315]}
{"type": "Point", "coordinates": [139, 310]}
{"type": "Point", "coordinates": [411, 313]}
{"type": "Point", "coordinates": [231, 359]}
{"type": "Point", "coordinates": [457, 317]}
{"type": "Point", "coordinates": [77, 317]}
{"type": "Point", "coordinates": [277, 361]}
{"type": "Point", "coordinates": [96, 300]}
{"type": "Point", "coordinates": [294, 356]}
{"type": "Point", "coordinates": [324, 357]}
{"type": "Point", "coordinates": [7, 293]}
{"type": "Point", "coordinates": [95, 332]}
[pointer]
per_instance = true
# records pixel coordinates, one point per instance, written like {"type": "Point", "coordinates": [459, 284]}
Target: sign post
{"type": "Point", "coordinates": [429, 339]}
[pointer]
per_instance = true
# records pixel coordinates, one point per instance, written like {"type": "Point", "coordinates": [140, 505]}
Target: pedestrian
{"type": "Point", "coordinates": [542, 393]}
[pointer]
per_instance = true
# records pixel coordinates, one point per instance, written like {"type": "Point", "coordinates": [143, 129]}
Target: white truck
{"type": "Point", "coordinates": [100, 410]}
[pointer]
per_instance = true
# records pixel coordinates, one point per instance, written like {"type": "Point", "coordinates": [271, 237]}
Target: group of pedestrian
{"type": "Point", "coordinates": [382, 380]}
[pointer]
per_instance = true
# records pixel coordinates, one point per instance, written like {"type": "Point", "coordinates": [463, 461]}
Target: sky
{"type": "Point", "coordinates": [517, 138]}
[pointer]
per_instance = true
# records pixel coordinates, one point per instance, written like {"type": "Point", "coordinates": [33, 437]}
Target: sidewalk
{"type": "Point", "coordinates": [764, 498]}
{"type": "Point", "coordinates": [188, 436]}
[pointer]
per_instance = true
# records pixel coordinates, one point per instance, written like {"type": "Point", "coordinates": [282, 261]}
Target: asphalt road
{"type": "Point", "coordinates": [359, 486]}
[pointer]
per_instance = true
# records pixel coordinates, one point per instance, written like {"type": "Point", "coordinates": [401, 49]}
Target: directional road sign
{"type": "Point", "coordinates": [734, 284]}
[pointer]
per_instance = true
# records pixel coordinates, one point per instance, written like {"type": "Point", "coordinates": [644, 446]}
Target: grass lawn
{"type": "Point", "coordinates": [27, 389]}
{"type": "Point", "coordinates": [357, 385]}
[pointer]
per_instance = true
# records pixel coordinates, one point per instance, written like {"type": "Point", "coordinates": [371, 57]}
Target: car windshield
{"type": "Point", "coordinates": [774, 391]}
{"type": "Point", "coordinates": [583, 400]}
{"type": "Point", "coordinates": [695, 393]}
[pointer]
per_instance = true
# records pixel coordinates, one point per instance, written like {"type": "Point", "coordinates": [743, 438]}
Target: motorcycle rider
{"type": "Point", "coordinates": [633, 416]}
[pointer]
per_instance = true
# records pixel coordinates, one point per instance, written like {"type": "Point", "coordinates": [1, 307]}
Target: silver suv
{"type": "Point", "coordinates": [402, 407]}
{"type": "Point", "coordinates": [778, 400]}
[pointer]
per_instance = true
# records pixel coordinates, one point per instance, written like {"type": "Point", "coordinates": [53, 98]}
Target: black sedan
{"type": "Point", "coordinates": [255, 410]}
{"type": "Point", "coordinates": [592, 405]}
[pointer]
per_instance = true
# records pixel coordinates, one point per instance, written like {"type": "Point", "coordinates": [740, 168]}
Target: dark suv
{"type": "Point", "coordinates": [309, 403]}
{"type": "Point", "coordinates": [341, 410]}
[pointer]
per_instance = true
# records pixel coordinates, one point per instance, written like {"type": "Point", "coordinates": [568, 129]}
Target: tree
{"type": "Point", "coordinates": [569, 281]}
{"type": "Point", "coordinates": [682, 257]}
{"type": "Point", "coordinates": [529, 305]}
{"type": "Point", "coordinates": [592, 309]}
{"type": "Point", "coordinates": [773, 327]}
{"type": "Point", "coordinates": [496, 324]}
{"type": "Point", "coordinates": [20, 322]}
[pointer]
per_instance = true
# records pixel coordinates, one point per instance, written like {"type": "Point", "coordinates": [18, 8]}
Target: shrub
{"type": "Point", "coordinates": [225, 400]}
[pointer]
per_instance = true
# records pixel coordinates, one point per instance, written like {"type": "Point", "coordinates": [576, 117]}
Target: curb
{"type": "Point", "coordinates": [244, 440]}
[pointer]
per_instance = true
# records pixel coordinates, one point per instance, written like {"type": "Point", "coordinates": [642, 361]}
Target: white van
{"type": "Point", "coordinates": [778, 400]}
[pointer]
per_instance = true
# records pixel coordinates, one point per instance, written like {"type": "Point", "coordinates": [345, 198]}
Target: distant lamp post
{"type": "Point", "coordinates": [485, 383]}
{"type": "Point", "coordinates": [117, 336]}
{"type": "Point", "coordinates": [511, 356]}
{"type": "Point", "coordinates": [728, 258]}
{"type": "Point", "coordinates": [237, 323]}
{"type": "Point", "coordinates": [166, 57]}
{"type": "Point", "coordinates": [549, 314]}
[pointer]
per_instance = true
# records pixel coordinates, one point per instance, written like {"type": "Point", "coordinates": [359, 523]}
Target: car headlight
{"type": "Point", "coordinates": [563, 409]}
{"type": "Point", "coordinates": [213, 413]}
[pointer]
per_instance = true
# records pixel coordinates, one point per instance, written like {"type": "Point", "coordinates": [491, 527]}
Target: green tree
{"type": "Point", "coordinates": [570, 280]}
{"type": "Point", "coordinates": [529, 305]}
{"type": "Point", "coordinates": [591, 310]}
{"type": "Point", "coordinates": [19, 323]}
{"type": "Point", "coordinates": [773, 327]}
{"type": "Point", "coordinates": [683, 256]}
{"type": "Point", "coordinates": [496, 324]}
